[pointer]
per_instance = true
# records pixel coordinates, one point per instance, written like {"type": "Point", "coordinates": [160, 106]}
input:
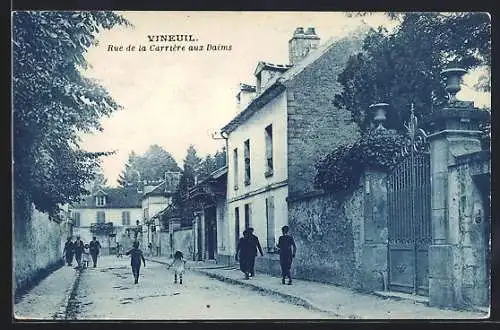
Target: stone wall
{"type": "Point", "coordinates": [469, 240]}
{"type": "Point", "coordinates": [183, 241]}
{"type": "Point", "coordinates": [315, 125]}
{"type": "Point", "coordinates": [37, 246]}
{"type": "Point", "coordinates": [326, 229]}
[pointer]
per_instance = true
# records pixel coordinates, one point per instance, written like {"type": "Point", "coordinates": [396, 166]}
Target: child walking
{"type": "Point", "coordinates": [179, 265]}
{"type": "Point", "coordinates": [135, 260]}
{"type": "Point", "coordinates": [86, 256]}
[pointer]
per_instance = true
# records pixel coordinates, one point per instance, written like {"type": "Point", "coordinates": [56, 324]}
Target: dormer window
{"type": "Point", "coordinates": [100, 200]}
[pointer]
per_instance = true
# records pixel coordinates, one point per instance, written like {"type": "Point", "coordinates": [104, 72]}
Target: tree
{"type": "Point", "coordinates": [191, 163]}
{"type": "Point", "coordinates": [404, 66]}
{"type": "Point", "coordinates": [130, 174]}
{"type": "Point", "coordinates": [155, 162]}
{"type": "Point", "coordinates": [98, 182]}
{"type": "Point", "coordinates": [53, 101]}
{"type": "Point", "coordinates": [151, 166]}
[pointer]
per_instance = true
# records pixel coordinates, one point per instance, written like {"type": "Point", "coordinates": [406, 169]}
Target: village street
{"type": "Point", "coordinates": [108, 292]}
{"type": "Point", "coordinates": [209, 292]}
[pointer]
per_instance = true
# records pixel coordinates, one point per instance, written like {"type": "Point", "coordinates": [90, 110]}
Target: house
{"type": "Point", "coordinates": [205, 209]}
{"type": "Point", "coordinates": [288, 120]}
{"type": "Point", "coordinates": [157, 196]}
{"type": "Point", "coordinates": [110, 214]}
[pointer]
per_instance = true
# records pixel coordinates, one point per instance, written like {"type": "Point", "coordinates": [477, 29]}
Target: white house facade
{"type": "Point", "coordinates": [116, 206]}
{"type": "Point", "coordinates": [257, 175]}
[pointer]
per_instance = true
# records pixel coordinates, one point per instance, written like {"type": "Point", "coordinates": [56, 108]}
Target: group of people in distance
{"type": "Point", "coordinates": [249, 244]}
{"type": "Point", "coordinates": [81, 252]}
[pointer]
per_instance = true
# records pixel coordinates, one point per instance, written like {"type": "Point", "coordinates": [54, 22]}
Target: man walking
{"type": "Point", "coordinates": [78, 248]}
{"type": "Point", "coordinates": [68, 251]}
{"type": "Point", "coordinates": [286, 245]}
{"type": "Point", "coordinates": [94, 250]}
{"type": "Point", "coordinates": [256, 246]}
{"type": "Point", "coordinates": [245, 252]}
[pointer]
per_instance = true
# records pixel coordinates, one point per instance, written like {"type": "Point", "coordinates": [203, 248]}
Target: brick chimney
{"type": "Point", "coordinates": [301, 44]}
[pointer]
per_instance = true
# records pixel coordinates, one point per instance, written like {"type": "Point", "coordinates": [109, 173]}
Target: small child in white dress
{"type": "Point", "coordinates": [179, 265]}
{"type": "Point", "coordinates": [86, 255]}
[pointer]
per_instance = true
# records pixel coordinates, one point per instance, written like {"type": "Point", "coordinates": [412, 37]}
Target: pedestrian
{"type": "Point", "coordinates": [86, 255]}
{"type": "Point", "coordinates": [135, 260]}
{"type": "Point", "coordinates": [78, 248]}
{"type": "Point", "coordinates": [287, 249]}
{"type": "Point", "coordinates": [256, 243]}
{"type": "Point", "coordinates": [179, 265]}
{"type": "Point", "coordinates": [94, 250]}
{"type": "Point", "coordinates": [150, 249]}
{"type": "Point", "coordinates": [244, 252]}
{"type": "Point", "coordinates": [68, 251]}
{"type": "Point", "coordinates": [118, 250]}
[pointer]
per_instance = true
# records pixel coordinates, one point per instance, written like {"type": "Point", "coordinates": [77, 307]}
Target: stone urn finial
{"type": "Point", "coordinates": [379, 114]}
{"type": "Point", "coordinates": [453, 80]}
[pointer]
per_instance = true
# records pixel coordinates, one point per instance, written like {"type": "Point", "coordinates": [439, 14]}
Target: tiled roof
{"type": "Point", "coordinates": [115, 198]}
{"type": "Point", "coordinates": [276, 84]}
{"type": "Point", "coordinates": [270, 66]}
{"type": "Point", "coordinates": [159, 190]}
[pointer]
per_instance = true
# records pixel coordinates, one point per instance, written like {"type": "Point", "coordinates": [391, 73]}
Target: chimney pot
{"type": "Point", "coordinates": [299, 30]}
{"type": "Point", "coordinates": [311, 31]}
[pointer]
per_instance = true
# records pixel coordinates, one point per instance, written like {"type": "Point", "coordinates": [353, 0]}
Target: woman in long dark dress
{"type": "Point", "coordinates": [287, 249]}
{"type": "Point", "coordinates": [245, 251]}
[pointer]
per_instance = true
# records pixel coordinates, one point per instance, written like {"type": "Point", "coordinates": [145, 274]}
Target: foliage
{"type": "Point", "coordinates": [341, 169]}
{"type": "Point", "coordinates": [194, 166]}
{"type": "Point", "coordinates": [210, 164]}
{"type": "Point", "coordinates": [151, 166]}
{"type": "Point", "coordinates": [404, 66]}
{"type": "Point", "coordinates": [98, 182]}
{"type": "Point", "coordinates": [53, 102]}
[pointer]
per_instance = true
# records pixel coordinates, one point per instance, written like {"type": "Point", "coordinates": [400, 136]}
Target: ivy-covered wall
{"type": "Point", "coordinates": [327, 231]}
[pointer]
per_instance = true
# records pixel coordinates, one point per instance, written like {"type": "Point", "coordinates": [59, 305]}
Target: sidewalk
{"type": "Point", "coordinates": [342, 303]}
{"type": "Point", "coordinates": [49, 299]}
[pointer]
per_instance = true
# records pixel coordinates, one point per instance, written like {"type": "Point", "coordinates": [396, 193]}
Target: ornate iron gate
{"type": "Point", "coordinates": [409, 206]}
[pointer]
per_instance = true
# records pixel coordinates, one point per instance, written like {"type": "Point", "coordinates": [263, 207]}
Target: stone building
{"type": "Point", "coordinates": [114, 210]}
{"type": "Point", "coordinates": [290, 120]}
{"type": "Point", "coordinates": [155, 200]}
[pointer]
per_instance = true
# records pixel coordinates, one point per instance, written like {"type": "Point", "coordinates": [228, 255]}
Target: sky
{"type": "Point", "coordinates": [178, 98]}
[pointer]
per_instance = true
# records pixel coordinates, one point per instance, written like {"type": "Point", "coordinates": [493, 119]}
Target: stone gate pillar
{"type": "Point", "coordinates": [455, 133]}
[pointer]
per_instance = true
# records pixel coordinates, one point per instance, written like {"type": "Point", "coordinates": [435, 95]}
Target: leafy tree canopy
{"type": "Point", "coordinates": [151, 166]}
{"type": "Point", "coordinates": [404, 66]}
{"type": "Point", "coordinates": [53, 102]}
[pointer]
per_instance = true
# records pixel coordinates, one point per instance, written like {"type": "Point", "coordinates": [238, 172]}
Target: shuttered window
{"type": "Point", "coordinates": [101, 217]}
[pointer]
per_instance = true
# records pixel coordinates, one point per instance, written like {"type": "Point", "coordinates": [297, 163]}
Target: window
{"type": "Point", "coordinates": [269, 150]}
{"type": "Point", "coordinates": [235, 166]}
{"type": "Point", "coordinates": [101, 217]}
{"type": "Point", "coordinates": [100, 200]}
{"type": "Point", "coordinates": [271, 240]}
{"type": "Point", "coordinates": [237, 224]}
{"type": "Point", "coordinates": [247, 161]}
{"type": "Point", "coordinates": [76, 219]}
{"type": "Point", "coordinates": [126, 218]}
{"type": "Point", "coordinates": [247, 216]}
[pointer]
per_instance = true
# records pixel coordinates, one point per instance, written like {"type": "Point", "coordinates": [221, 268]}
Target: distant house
{"type": "Point", "coordinates": [157, 196]}
{"type": "Point", "coordinates": [107, 214]}
{"type": "Point", "coordinates": [205, 212]}
{"type": "Point", "coordinates": [288, 120]}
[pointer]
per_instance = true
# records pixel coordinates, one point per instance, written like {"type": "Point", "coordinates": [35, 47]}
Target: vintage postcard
{"type": "Point", "coordinates": [251, 165]}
